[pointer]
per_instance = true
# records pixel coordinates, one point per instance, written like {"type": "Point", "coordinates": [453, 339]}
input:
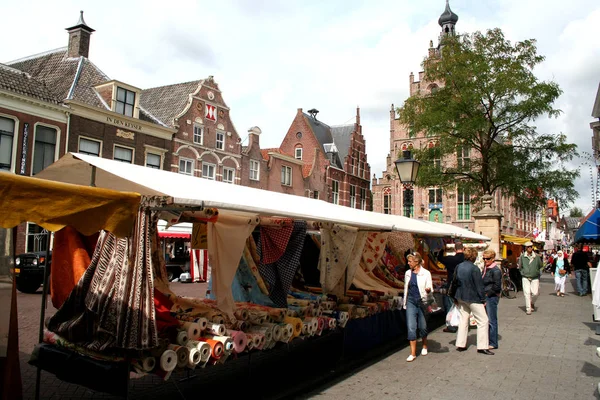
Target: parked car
{"type": "Point", "coordinates": [29, 270]}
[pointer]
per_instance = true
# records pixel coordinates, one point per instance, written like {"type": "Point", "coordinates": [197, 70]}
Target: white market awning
{"type": "Point", "coordinates": [193, 191]}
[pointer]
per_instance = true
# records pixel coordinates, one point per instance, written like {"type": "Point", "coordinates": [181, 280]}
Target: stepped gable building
{"type": "Point", "coordinates": [433, 203]}
{"type": "Point", "coordinates": [333, 159]}
{"type": "Point", "coordinates": [206, 143]}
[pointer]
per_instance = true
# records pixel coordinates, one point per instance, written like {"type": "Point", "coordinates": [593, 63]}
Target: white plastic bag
{"type": "Point", "coordinates": [453, 317]}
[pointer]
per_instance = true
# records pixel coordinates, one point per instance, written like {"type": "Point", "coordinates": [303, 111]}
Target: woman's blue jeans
{"type": "Point", "coordinates": [491, 306]}
{"type": "Point", "coordinates": [415, 318]}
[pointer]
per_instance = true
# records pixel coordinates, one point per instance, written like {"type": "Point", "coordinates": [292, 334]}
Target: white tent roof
{"type": "Point", "coordinates": [192, 191]}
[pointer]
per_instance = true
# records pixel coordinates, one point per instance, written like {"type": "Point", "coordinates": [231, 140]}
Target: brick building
{"type": "Point", "coordinates": [333, 159]}
{"type": "Point", "coordinates": [433, 203]}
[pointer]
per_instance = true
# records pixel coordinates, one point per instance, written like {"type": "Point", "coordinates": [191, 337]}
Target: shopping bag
{"type": "Point", "coordinates": [453, 317]}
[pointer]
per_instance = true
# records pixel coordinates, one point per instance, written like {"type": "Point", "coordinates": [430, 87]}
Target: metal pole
{"type": "Point", "coordinates": [43, 311]}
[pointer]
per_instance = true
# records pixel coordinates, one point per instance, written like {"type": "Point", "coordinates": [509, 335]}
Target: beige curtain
{"type": "Point", "coordinates": [226, 240]}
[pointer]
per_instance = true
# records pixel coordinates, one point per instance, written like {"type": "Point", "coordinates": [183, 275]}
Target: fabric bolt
{"type": "Point", "coordinates": [279, 275]}
{"type": "Point", "coordinates": [481, 317]}
{"type": "Point", "coordinates": [226, 240]}
{"type": "Point", "coordinates": [113, 302]}
{"type": "Point", "coordinates": [253, 266]}
{"type": "Point", "coordinates": [274, 240]}
{"type": "Point", "coordinates": [164, 319]}
{"type": "Point", "coordinates": [245, 287]}
{"type": "Point", "coordinates": [531, 289]}
{"type": "Point", "coordinates": [341, 247]}
{"type": "Point", "coordinates": [71, 255]}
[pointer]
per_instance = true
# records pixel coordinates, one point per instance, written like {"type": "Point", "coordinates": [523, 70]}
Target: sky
{"type": "Point", "coordinates": [272, 57]}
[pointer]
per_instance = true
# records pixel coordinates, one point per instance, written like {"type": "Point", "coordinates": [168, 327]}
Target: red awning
{"type": "Point", "coordinates": [175, 235]}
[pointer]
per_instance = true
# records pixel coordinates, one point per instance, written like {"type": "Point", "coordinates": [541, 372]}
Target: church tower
{"type": "Point", "coordinates": [448, 21]}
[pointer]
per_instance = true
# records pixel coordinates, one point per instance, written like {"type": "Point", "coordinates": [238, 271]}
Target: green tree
{"type": "Point", "coordinates": [576, 212]}
{"type": "Point", "coordinates": [483, 116]}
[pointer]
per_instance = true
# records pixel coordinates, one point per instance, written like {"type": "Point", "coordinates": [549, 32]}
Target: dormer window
{"type": "Point", "coordinates": [125, 102]}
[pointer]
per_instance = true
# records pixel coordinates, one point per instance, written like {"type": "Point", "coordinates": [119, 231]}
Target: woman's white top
{"type": "Point", "coordinates": [423, 282]}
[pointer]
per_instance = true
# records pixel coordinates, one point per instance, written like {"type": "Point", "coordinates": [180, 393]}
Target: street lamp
{"type": "Point", "coordinates": [408, 169]}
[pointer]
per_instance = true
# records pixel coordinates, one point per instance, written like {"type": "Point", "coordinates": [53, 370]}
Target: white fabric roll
{"type": "Point", "coordinates": [168, 361]}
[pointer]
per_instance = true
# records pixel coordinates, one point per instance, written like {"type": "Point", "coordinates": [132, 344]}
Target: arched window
{"type": "Point", "coordinates": [387, 200]}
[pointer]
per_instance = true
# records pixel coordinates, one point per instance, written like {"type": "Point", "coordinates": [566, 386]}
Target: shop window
{"type": "Point", "coordinates": [123, 154]}
{"type": "Point", "coordinates": [254, 170]}
{"type": "Point", "coordinates": [153, 160]}
{"type": "Point", "coordinates": [335, 192]}
{"type": "Point", "coordinates": [228, 175]}
{"type": "Point", "coordinates": [208, 171]}
{"type": "Point", "coordinates": [286, 175]}
{"type": "Point", "coordinates": [44, 149]}
{"type": "Point", "coordinates": [7, 137]}
{"type": "Point", "coordinates": [89, 146]}
{"type": "Point", "coordinates": [125, 102]}
{"type": "Point", "coordinates": [186, 166]}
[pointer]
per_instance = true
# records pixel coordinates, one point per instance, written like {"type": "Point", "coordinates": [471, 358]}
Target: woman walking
{"type": "Point", "coordinates": [560, 270]}
{"type": "Point", "coordinates": [492, 285]}
{"type": "Point", "coordinates": [470, 297]}
{"type": "Point", "coordinates": [417, 286]}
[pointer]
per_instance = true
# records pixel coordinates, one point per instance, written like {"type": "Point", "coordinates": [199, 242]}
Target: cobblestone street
{"type": "Point", "coordinates": [557, 339]}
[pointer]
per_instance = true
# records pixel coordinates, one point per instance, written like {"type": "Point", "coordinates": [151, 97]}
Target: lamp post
{"type": "Point", "coordinates": [408, 169]}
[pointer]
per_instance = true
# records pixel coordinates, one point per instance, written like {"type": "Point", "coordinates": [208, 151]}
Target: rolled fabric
{"type": "Point", "coordinates": [147, 364]}
{"type": "Point", "coordinates": [241, 313]}
{"type": "Point", "coordinates": [296, 324]}
{"type": "Point", "coordinates": [183, 354]}
{"type": "Point", "coordinates": [227, 342]}
{"type": "Point", "coordinates": [202, 322]}
{"type": "Point", "coordinates": [250, 345]}
{"type": "Point", "coordinates": [203, 348]}
{"type": "Point", "coordinates": [193, 358]}
{"type": "Point", "coordinates": [287, 331]}
{"type": "Point", "coordinates": [192, 329]}
{"type": "Point", "coordinates": [306, 327]}
{"type": "Point", "coordinates": [277, 314]}
{"type": "Point", "coordinates": [239, 325]}
{"type": "Point", "coordinates": [218, 319]}
{"type": "Point", "coordinates": [168, 361]}
{"type": "Point", "coordinates": [263, 330]}
{"type": "Point", "coordinates": [291, 313]}
{"type": "Point", "coordinates": [216, 347]}
{"type": "Point", "coordinates": [255, 338]}
{"type": "Point", "coordinates": [182, 338]}
{"type": "Point", "coordinates": [275, 330]}
{"type": "Point", "coordinates": [240, 340]}
{"type": "Point", "coordinates": [216, 329]}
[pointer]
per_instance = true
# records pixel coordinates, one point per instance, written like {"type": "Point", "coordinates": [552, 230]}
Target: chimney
{"type": "Point", "coordinates": [357, 115]}
{"type": "Point", "coordinates": [254, 137]}
{"type": "Point", "coordinates": [79, 38]}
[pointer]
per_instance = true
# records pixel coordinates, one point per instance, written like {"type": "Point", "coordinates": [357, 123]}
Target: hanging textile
{"type": "Point", "coordinates": [399, 243]}
{"type": "Point", "coordinates": [199, 265]}
{"type": "Point", "coordinates": [112, 305]}
{"type": "Point", "coordinates": [341, 248]}
{"type": "Point", "coordinates": [279, 275]}
{"type": "Point", "coordinates": [373, 250]}
{"type": "Point", "coordinates": [226, 240]}
{"type": "Point", "coordinates": [274, 240]}
{"type": "Point", "coordinates": [252, 265]}
{"type": "Point", "coordinates": [367, 281]}
{"type": "Point", "coordinates": [71, 255]}
{"type": "Point", "coordinates": [245, 288]}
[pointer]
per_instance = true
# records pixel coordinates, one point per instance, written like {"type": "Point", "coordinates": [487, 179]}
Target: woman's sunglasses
{"type": "Point", "coordinates": [487, 259]}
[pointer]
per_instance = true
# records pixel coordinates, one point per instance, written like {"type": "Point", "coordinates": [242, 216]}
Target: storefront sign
{"type": "Point", "coordinates": [24, 152]}
{"type": "Point", "coordinates": [125, 124]}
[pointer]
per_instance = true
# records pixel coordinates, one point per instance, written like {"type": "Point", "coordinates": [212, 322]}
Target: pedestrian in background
{"type": "Point", "coordinates": [417, 286]}
{"type": "Point", "coordinates": [470, 297]}
{"type": "Point", "coordinates": [530, 265]}
{"type": "Point", "coordinates": [581, 265]}
{"type": "Point", "coordinates": [450, 262]}
{"type": "Point", "coordinates": [492, 285]}
{"type": "Point", "coordinates": [560, 270]}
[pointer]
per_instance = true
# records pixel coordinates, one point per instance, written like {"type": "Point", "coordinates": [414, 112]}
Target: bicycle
{"type": "Point", "coordinates": [509, 289]}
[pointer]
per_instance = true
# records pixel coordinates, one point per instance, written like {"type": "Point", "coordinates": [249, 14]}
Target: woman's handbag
{"type": "Point", "coordinates": [562, 271]}
{"type": "Point", "coordinates": [453, 285]}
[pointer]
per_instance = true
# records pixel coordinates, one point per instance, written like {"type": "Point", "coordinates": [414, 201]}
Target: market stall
{"type": "Point", "coordinates": [255, 239]}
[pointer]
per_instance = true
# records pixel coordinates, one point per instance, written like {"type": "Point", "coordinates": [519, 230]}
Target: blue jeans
{"type": "Point", "coordinates": [491, 306]}
{"type": "Point", "coordinates": [581, 275]}
{"type": "Point", "coordinates": [414, 318]}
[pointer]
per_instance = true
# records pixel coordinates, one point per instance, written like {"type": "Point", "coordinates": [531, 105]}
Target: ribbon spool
{"type": "Point", "coordinates": [183, 354]}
